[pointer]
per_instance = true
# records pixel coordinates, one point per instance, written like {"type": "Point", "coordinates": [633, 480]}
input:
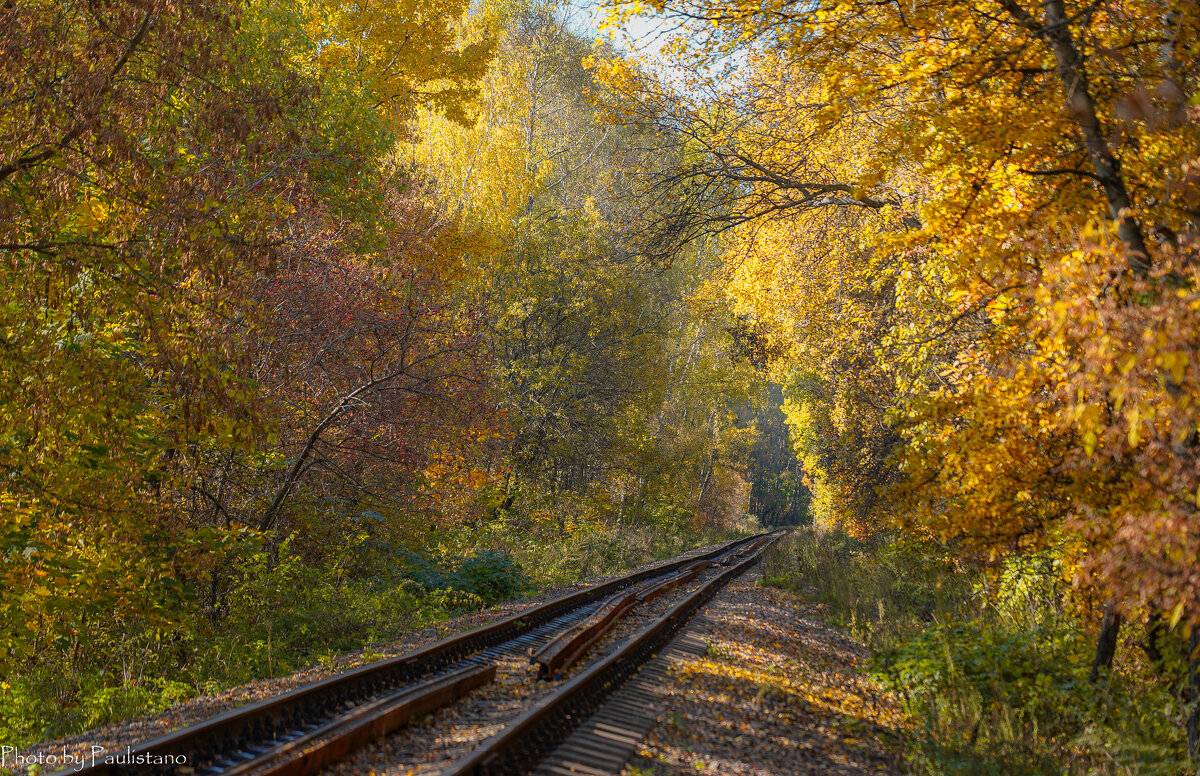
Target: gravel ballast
{"type": "Point", "coordinates": [116, 737]}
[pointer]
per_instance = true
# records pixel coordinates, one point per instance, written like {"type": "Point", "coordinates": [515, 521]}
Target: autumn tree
{"type": "Point", "coordinates": [127, 230]}
{"type": "Point", "coordinates": [598, 356]}
{"type": "Point", "coordinates": [961, 219]}
{"type": "Point", "coordinates": [155, 156]}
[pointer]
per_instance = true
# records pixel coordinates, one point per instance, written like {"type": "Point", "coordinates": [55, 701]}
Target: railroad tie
{"type": "Point", "coordinates": [604, 743]}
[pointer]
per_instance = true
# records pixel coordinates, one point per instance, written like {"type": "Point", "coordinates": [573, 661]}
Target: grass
{"type": "Point", "coordinates": [991, 665]}
{"type": "Point", "coordinates": [283, 613]}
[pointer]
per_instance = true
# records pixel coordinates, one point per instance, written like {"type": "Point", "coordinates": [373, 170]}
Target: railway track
{"type": "Point", "coordinates": [311, 727]}
{"type": "Point", "coordinates": [525, 743]}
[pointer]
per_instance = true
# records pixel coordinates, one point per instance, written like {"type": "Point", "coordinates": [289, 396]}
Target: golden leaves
{"type": "Point", "coordinates": [407, 55]}
{"type": "Point", "coordinates": [982, 313]}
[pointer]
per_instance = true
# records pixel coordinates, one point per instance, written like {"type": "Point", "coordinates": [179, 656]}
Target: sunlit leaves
{"type": "Point", "coordinates": [983, 314]}
{"type": "Point", "coordinates": [405, 55]}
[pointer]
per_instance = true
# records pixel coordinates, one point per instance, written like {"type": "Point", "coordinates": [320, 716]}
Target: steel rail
{"type": "Point", "coordinates": [519, 748]}
{"type": "Point", "coordinates": [262, 731]}
{"type": "Point", "coordinates": [335, 740]}
{"type": "Point", "coordinates": [570, 644]}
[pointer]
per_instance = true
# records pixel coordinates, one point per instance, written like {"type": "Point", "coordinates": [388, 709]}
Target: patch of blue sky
{"type": "Point", "coordinates": [647, 36]}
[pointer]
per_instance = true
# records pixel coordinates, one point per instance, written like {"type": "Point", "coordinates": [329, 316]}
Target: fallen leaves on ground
{"type": "Point", "coordinates": [776, 693]}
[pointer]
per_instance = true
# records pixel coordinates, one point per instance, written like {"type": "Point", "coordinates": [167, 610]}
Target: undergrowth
{"type": "Point", "coordinates": [281, 613]}
{"type": "Point", "coordinates": [992, 666]}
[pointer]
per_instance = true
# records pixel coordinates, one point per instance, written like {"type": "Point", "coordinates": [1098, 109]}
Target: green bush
{"type": "Point", "coordinates": [486, 577]}
{"type": "Point", "coordinates": [875, 588]}
{"type": "Point", "coordinates": [491, 575]}
{"type": "Point", "coordinates": [53, 702]}
{"type": "Point", "coordinates": [980, 692]}
{"type": "Point", "coordinates": [1027, 670]}
{"type": "Point", "coordinates": [991, 668]}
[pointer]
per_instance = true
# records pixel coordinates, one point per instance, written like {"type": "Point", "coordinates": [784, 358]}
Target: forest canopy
{"type": "Point", "coordinates": [967, 233]}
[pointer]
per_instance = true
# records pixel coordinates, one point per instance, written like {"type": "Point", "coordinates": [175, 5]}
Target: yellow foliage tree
{"type": "Point", "coordinates": [976, 223]}
{"type": "Point", "coordinates": [406, 55]}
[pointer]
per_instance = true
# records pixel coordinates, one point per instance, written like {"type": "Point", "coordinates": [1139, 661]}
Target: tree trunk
{"type": "Point", "coordinates": [1072, 73]}
{"type": "Point", "coordinates": [299, 465]}
{"type": "Point", "coordinates": [1080, 103]}
{"type": "Point", "coordinates": [1106, 644]}
{"type": "Point", "coordinates": [1155, 628]}
{"type": "Point", "coordinates": [705, 479]}
{"type": "Point", "coordinates": [1193, 720]}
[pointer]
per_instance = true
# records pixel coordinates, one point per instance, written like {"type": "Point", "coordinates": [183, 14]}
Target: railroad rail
{"type": "Point", "coordinates": [522, 745]}
{"type": "Point", "coordinates": [310, 727]}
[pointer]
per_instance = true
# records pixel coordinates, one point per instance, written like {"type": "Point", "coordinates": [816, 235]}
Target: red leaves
{"type": "Point", "coordinates": [384, 332]}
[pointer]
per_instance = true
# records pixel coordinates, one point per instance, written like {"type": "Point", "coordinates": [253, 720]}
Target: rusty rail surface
{"type": "Point", "coordinates": [520, 747]}
{"type": "Point", "coordinates": [566, 649]}
{"type": "Point", "coordinates": [355, 706]}
{"type": "Point", "coordinates": [337, 739]}
{"type": "Point", "coordinates": [652, 591]}
{"type": "Point", "coordinates": [563, 650]}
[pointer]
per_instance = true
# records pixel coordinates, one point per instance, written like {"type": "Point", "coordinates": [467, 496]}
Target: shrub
{"type": "Point", "coordinates": [992, 666]}
{"type": "Point", "coordinates": [491, 575]}
{"type": "Point", "coordinates": [485, 578]}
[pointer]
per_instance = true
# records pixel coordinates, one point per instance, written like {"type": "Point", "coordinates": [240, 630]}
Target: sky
{"type": "Point", "coordinates": [645, 35]}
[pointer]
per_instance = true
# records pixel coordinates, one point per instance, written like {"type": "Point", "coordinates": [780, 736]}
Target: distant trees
{"type": "Point", "coordinates": [778, 495]}
{"type": "Point", "coordinates": [617, 384]}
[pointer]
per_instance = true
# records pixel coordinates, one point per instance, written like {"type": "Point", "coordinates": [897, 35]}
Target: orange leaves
{"type": "Point", "coordinates": [447, 471]}
{"type": "Point", "coordinates": [963, 292]}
